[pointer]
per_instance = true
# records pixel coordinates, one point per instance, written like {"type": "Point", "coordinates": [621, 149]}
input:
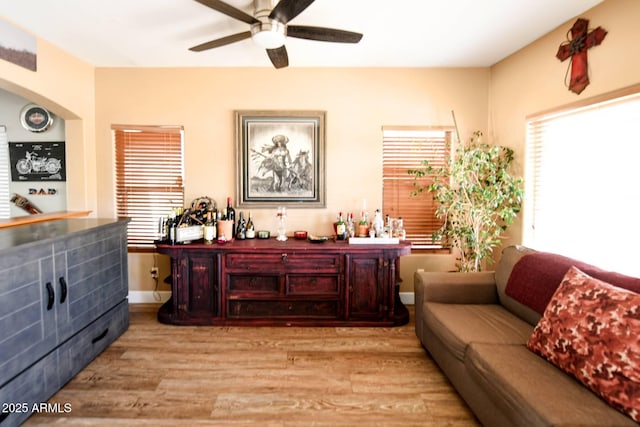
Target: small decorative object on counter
{"type": "Point", "coordinates": [24, 204]}
{"type": "Point", "coordinates": [363, 225]}
{"type": "Point", "coordinates": [263, 234]}
{"type": "Point", "coordinates": [377, 225]}
{"type": "Point", "coordinates": [281, 214]}
{"type": "Point", "coordinates": [300, 235]}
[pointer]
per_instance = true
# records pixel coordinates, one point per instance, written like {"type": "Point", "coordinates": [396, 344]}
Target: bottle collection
{"type": "Point", "coordinates": [347, 227]}
{"type": "Point", "coordinates": [203, 221]}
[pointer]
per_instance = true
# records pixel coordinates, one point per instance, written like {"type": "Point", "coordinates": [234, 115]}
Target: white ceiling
{"type": "Point", "coordinates": [397, 33]}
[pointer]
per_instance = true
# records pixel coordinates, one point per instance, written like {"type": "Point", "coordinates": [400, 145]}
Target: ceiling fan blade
{"type": "Point", "coordinates": [221, 42]}
{"type": "Point", "coordinates": [286, 10]}
{"type": "Point", "coordinates": [229, 10]}
{"type": "Point", "coordinates": [278, 57]}
{"type": "Point", "coordinates": [323, 34]}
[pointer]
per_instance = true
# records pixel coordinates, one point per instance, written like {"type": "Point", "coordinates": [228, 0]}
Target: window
{"type": "Point", "coordinates": [582, 197]}
{"type": "Point", "coordinates": [405, 148]}
{"type": "Point", "coordinates": [149, 178]}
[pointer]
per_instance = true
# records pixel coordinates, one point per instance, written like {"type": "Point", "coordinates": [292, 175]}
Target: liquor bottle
{"type": "Point", "coordinates": [241, 228]}
{"type": "Point", "coordinates": [231, 216]}
{"type": "Point", "coordinates": [341, 228]}
{"type": "Point", "coordinates": [351, 229]}
{"type": "Point", "coordinates": [171, 227]}
{"type": "Point", "coordinates": [163, 228]}
{"type": "Point", "coordinates": [251, 230]}
{"type": "Point", "coordinates": [209, 228]}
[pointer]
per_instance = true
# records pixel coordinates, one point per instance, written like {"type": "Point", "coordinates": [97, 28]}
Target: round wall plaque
{"type": "Point", "coordinates": [35, 118]}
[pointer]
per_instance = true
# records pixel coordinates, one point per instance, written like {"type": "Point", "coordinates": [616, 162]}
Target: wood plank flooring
{"type": "Point", "coordinates": [160, 375]}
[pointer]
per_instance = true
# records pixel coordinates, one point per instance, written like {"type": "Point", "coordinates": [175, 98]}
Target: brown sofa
{"type": "Point", "coordinates": [477, 335]}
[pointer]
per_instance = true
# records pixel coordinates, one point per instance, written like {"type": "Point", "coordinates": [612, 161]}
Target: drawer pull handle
{"type": "Point", "coordinates": [284, 257]}
{"type": "Point", "coordinates": [100, 337]}
{"type": "Point", "coordinates": [51, 296]}
{"type": "Point", "coordinates": [63, 290]}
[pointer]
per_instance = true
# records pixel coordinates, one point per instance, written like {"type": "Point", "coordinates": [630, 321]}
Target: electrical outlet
{"type": "Point", "coordinates": [154, 272]}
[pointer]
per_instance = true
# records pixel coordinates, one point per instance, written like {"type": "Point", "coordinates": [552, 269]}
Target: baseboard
{"type": "Point", "coordinates": [145, 297]}
{"type": "Point", "coordinates": [407, 298]}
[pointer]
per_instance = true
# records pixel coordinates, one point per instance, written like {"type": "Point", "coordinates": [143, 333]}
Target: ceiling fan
{"type": "Point", "coordinates": [269, 28]}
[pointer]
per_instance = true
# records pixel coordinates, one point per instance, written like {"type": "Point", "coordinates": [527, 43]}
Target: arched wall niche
{"type": "Point", "coordinates": [78, 197]}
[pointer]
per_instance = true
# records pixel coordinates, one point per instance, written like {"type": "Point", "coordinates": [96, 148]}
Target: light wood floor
{"type": "Point", "coordinates": [159, 375]}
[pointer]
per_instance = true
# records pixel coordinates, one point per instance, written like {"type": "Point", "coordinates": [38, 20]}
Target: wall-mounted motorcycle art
{"type": "Point", "coordinates": [37, 161]}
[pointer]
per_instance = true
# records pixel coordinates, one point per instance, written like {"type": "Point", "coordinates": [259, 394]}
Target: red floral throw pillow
{"type": "Point", "coordinates": [591, 330]}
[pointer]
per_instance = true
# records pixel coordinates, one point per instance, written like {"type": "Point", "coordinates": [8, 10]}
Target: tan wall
{"type": "Point", "coordinates": [532, 80]}
{"type": "Point", "coordinates": [358, 103]}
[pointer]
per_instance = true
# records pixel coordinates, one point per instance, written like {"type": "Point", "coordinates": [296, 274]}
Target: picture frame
{"type": "Point", "coordinates": [38, 161]}
{"type": "Point", "coordinates": [280, 158]}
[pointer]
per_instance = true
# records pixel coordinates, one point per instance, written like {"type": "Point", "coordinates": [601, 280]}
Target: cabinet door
{"type": "Point", "coordinates": [27, 309]}
{"type": "Point", "coordinates": [92, 269]}
{"type": "Point", "coordinates": [199, 291]}
{"type": "Point", "coordinates": [368, 293]}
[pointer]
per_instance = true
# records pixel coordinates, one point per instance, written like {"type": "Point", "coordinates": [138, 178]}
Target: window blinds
{"type": "Point", "coordinates": [582, 198]}
{"type": "Point", "coordinates": [405, 148]}
{"type": "Point", "coordinates": [149, 178]}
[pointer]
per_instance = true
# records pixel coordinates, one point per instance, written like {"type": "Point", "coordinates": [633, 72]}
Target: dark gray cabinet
{"type": "Point", "coordinates": [63, 299]}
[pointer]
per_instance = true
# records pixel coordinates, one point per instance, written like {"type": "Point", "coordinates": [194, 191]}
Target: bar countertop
{"type": "Point", "coordinates": [41, 232]}
{"type": "Point", "coordinates": [43, 217]}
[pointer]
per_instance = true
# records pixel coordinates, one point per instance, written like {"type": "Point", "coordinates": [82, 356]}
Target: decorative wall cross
{"type": "Point", "coordinates": [576, 48]}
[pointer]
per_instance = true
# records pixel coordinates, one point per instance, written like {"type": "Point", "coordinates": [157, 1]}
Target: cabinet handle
{"type": "Point", "coordinates": [51, 296]}
{"type": "Point", "coordinates": [100, 337]}
{"type": "Point", "coordinates": [63, 290]}
{"type": "Point", "coordinates": [284, 257]}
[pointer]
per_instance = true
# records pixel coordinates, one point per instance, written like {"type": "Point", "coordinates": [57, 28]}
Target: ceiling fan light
{"type": "Point", "coordinates": [268, 35]}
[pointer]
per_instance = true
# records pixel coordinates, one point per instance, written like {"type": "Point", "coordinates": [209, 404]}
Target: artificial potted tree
{"type": "Point", "coordinates": [477, 198]}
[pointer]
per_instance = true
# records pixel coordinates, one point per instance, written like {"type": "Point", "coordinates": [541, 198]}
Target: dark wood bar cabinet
{"type": "Point", "coordinates": [292, 283]}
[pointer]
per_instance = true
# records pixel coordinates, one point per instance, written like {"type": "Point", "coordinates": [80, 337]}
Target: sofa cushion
{"type": "Point", "coordinates": [590, 330]}
{"type": "Point", "coordinates": [457, 325]}
{"type": "Point", "coordinates": [510, 256]}
{"type": "Point", "coordinates": [536, 276]}
{"type": "Point", "coordinates": [532, 392]}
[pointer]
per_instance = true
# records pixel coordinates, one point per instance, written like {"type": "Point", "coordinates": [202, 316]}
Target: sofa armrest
{"type": "Point", "coordinates": [452, 288]}
{"type": "Point", "coordinates": [455, 288]}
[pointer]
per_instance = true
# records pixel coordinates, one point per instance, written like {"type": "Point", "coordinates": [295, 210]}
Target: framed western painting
{"type": "Point", "coordinates": [280, 158]}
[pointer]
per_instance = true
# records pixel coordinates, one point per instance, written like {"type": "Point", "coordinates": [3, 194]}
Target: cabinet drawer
{"type": "Point", "coordinates": [87, 344]}
{"type": "Point", "coordinates": [238, 309]}
{"type": "Point", "coordinates": [269, 284]}
{"type": "Point", "coordinates": [284, 261]}
{"type": "Point", "coordinates": [306, 285]}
